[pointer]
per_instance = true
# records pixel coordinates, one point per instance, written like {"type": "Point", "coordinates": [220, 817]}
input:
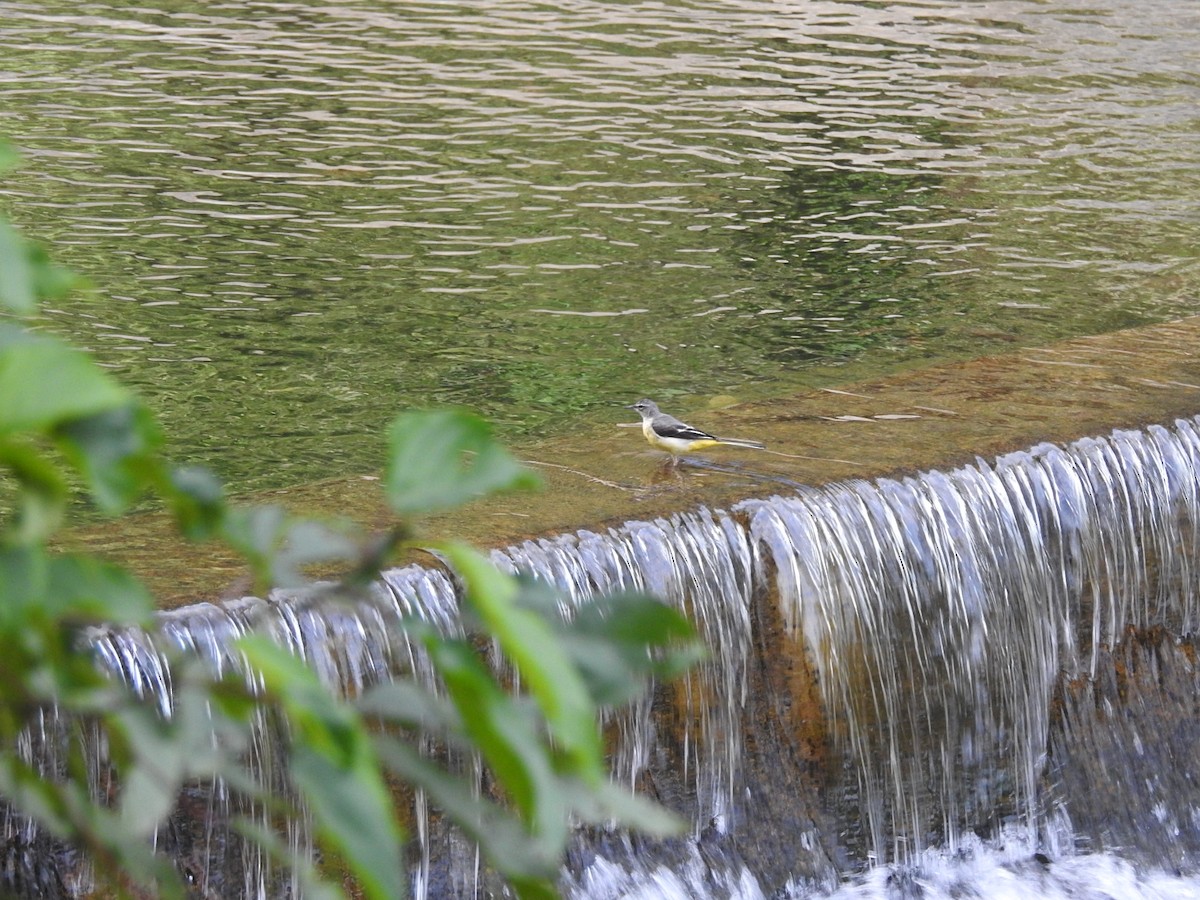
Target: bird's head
{"type": "Point", "coordinates": [645, 407]}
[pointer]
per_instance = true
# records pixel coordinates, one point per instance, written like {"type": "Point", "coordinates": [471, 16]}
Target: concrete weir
{"type": "Point", "coordinates": [935, 417]}
{"type": "Point", "coordinates": [938, 607]}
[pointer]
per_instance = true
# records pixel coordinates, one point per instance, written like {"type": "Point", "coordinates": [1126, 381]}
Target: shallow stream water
{"type": "Point", "coordinates": [302, 219]}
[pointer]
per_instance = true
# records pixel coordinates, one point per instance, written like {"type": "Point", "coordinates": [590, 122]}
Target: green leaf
{"type": "Point", "coordinates": [44, 382]}
{"type": "Point", "coordinates": [333, 764]}
{"type": "Point", "coordinates": [352, 809]}
{"type": "Point", "coordinates": [87, 587]}
{"type": "Point", "coordinates": [257, 533]}
{"type": "Point", "coordinates": [634, 620]}
{"type": "Point", "coordinates": [24, 580]}
{"type": "Point", "coordinates": [42, 491]}
{"type": "Point", "coordinates": [501, 836]}
{"type": "Point", "coordinates": [313, 887]}
{"type": "Point", "coordinates": [27, 274]}
{"type": "Point", "coordinates": [199, 722]}
{"type": "Point", "coordinates": [546, 669]}
{"type": "Point", "coordinates": [609, 802]}
{"type": "Point", "coordinates": [66, 810]}
{"type": "Point", "coordinates": [17, 281]}
{"type": "Point", "coordinates": [307, 702]}
{"type": "Point", "coordinates": [443, 458]}
{"type": "Point", "coordinates": [307, 543]}
{"type": "Point", "coordinates": [279, 547]}
{"type": "Point", "coordinates": [508, 738]}
{"type": "Point", "coordinates": [404, 703]}
{"type": "Point", "coordinates": [605, 669]}
{"type": "Point", "coordinates": [452, 794]}
{"type": "Point", "coordinates": [50, 281]}
{"type": "Point", "coordinates": [23, 787]}
{"type": "Point", "coordinates": [152, 778]}
{"type": "Point", "coordinates": [197, 500]}
{"type": "Point", "coordinates": [618, 641]}
{"type": "Point", "coordinates": [114, 450]}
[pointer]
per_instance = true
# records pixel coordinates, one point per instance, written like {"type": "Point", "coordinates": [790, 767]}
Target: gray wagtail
{"type": "Point", "coordinates": [668, 433]}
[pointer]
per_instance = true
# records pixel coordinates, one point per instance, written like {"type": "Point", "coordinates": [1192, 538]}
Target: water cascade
{"type": "Point", "coordinates": [941, 610]}
{"type": "Point", "coordinates": [986, 672]}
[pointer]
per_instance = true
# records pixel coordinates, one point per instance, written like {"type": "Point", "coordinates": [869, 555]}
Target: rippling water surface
{"type": "Point", "coordinates": [301, 219]}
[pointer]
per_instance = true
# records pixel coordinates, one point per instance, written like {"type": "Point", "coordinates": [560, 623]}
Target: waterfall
{"type": "Point", "coordinates": [941, 609]}
{"type": "Point", "coordinates": [704, 563]}
{"type": "Point", "coordinates": [898, 669]}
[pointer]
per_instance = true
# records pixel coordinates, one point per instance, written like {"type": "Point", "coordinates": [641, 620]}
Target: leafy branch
{"type": "Point", "coordinates": [69, 430]}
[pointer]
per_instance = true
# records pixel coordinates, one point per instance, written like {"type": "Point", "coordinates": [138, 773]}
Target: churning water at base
{"type": "Point", "coordinates": [978, 682]}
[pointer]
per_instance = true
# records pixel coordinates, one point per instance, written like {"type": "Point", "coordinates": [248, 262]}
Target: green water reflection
{"type": "Point", "coordinates": [301, 220]}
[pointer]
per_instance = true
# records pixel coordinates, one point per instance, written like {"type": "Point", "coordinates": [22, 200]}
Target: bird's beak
{"type": "Point", "coordinates": [632, 406]}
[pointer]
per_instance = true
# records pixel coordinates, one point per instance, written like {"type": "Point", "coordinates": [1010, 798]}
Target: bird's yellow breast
{"type": "Point", "coordinates": [673, 444]}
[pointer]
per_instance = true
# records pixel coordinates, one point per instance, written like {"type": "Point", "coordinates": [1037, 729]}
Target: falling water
{"type": "Point", "coordinates": [941, 609]}
{"type": "Point", "coordinates": [703, 562]}
{"type": "Point", "coordinates": [931, 674]}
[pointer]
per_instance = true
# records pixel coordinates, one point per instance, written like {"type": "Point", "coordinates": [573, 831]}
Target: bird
{"type": "Point", "coordinates": [668, 433]}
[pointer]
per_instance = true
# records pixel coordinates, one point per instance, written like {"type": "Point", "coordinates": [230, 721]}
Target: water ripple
{"type": "Point", "coordinates": [950, 158]}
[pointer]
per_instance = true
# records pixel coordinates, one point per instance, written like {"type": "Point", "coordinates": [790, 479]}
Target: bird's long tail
{"type": "Point", "coordinates": [742, 442]}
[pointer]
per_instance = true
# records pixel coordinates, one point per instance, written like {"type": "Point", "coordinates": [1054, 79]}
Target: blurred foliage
{"type": "Point", "coordinates": [69, 430]}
